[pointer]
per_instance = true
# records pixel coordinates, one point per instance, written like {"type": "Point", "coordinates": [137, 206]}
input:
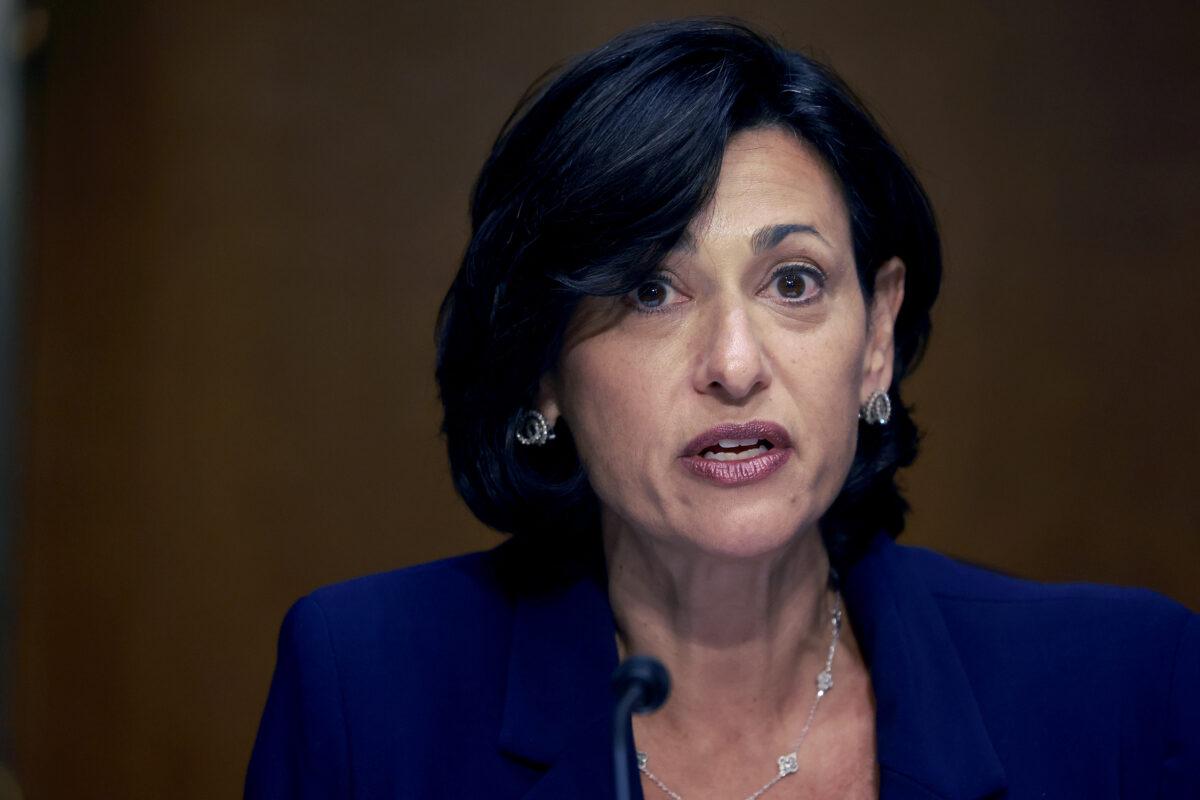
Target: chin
{"type": "Point", "coordinates": [746, 535]}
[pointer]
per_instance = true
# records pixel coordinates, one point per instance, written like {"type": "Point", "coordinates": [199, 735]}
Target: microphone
{"type": "Point", "coordinates": [641, 684]}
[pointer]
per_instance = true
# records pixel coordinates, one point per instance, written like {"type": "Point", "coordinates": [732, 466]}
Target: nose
{"type": "Point", "coordinates": [731, 362]}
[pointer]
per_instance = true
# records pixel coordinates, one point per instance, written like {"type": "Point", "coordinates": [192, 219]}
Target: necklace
{"type": "Point", "coordinates": [787, 763]}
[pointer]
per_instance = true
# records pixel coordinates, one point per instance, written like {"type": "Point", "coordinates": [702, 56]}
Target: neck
{"type": "Point", "coordinates": [743, 637]}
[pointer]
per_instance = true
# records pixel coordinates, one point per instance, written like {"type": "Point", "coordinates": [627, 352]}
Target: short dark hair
{"type": "Point", "coordinates": [590, 183]}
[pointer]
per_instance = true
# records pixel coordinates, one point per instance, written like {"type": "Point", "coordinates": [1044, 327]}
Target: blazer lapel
{"type": "Point", "coordinates": [583, 768]}
{"type": "Point", "coordinates": [930, 735]}
{"type": "Point", "coordinates": [558, 704]}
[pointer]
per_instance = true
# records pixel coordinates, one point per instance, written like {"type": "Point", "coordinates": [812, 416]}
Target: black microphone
{"type": "Point", "coordinates": [641, 684]}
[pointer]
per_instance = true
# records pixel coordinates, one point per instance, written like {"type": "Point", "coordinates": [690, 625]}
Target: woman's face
{"type": "Point", "coordinates": [756, 317]}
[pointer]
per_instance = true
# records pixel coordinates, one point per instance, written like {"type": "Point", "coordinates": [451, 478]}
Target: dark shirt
{"type": "Point", "coordinates": [487, 676]}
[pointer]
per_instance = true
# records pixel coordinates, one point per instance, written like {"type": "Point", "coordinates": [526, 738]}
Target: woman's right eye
{"type": "Point", "coordinates": [651, 296]}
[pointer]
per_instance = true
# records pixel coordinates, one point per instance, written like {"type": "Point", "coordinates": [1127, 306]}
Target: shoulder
{"type": "Point", "coordinates": [437, 593]}
{"type": "Point", "coordinates": [1107, 662]}
{"type": "Point", "coordinates": [1109, 628]}
{"type": "Point", "coordinates": [425, 623]}
{"type": "Point", "coordinates": [1106, 669]}
{"type": "Point", "coordinates": [989, 594]}
{"type": "Point", "coordinates": [358, 662]}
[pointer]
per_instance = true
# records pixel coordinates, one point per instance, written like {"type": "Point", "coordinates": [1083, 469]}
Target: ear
{"type": "Point", "coordinates": [881, 325]}
{"type": "Point", "coordinates": [547, 398]}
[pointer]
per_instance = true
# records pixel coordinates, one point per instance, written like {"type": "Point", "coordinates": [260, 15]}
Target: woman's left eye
{"type": "Point", "coordinates": [797, 283]}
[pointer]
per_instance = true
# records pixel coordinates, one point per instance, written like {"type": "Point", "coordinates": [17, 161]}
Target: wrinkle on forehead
{"type": "Point", "coordinates": [745, 174]}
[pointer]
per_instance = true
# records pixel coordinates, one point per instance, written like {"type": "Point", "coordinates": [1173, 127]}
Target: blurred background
{"type": "Point", "coordinates": [237, 221]}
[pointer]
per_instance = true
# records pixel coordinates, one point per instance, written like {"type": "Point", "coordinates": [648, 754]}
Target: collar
{"type": "Point", "coordinates": [559, 705]}
{"type": "Point", "coordinates": [930, 736]}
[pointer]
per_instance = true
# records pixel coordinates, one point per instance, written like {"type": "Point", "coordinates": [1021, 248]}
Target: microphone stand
{"type": "Point", "coordinates": [641, 684]}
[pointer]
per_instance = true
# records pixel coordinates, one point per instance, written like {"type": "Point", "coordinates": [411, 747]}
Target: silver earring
{"type": "Point", "coordinates": [877, 410]}
{"type": "Point", "coordinates": [533, 429]}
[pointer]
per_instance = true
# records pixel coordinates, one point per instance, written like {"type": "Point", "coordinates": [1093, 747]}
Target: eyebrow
{"type": "Point", "coordinates": [763, 239]}
{"type": "Point", "coordinates": [767, 237]}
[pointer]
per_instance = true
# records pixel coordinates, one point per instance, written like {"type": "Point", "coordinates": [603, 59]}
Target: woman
{"type": "Point", "coordinates": [671, 365]}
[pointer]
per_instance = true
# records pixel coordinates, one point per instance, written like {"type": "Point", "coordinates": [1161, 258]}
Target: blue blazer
{"type": "Point", "coordinates": [487, 676]}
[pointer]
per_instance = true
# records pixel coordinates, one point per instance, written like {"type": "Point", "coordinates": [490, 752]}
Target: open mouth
{"type": "Point", "coordinates": [735, 449]}
{"type": "Point", "coordinates": [738, 453]}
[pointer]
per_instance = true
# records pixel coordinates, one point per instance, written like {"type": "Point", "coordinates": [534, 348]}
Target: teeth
{"type": "Point", "coordinates": [731, 443]}
{"type": "Point", "coordinates": [719, 456]}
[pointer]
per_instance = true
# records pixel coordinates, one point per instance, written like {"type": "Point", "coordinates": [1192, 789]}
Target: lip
{"type": "Point", "coordinates": [737, 473]}
{"type": "Point", "coordinates": [773, 432]}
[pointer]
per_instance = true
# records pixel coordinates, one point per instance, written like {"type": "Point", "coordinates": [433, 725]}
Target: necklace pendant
{"type": "Point", "coordinates": [788, 764]}
{"type": "Point", "coordinates": [641, 759]}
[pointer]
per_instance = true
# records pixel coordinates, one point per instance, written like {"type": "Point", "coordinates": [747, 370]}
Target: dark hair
{"type": "Point", "coordinates": [590, 183]}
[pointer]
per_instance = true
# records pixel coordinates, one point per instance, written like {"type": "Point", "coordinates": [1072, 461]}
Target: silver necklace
{"type": "Point", "coordinates": [787, 763]}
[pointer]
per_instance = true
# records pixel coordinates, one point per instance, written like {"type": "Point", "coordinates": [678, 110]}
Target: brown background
{"type": "Point", "coordinates": [243, 216]}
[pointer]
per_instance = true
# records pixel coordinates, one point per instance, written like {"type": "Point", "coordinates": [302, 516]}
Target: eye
{"type": "Point", "coordinates": [652, 296]}
{"type": "Point", "coordinates": [798, 284]}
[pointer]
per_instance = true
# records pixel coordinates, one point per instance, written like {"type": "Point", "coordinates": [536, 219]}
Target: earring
{"type": "Point", "coordinates": [877, 410]}
{"type": "Point", "coordinates": [533, 429]}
